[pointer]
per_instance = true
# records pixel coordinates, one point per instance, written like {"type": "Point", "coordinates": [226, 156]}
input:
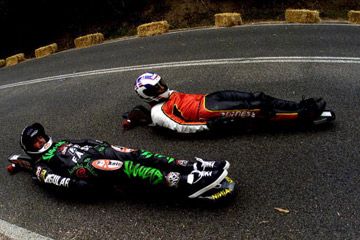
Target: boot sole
{"type": "Point", "coordinates": [227, 165]}
{"type": "Point", "coordinates": [212, 185]}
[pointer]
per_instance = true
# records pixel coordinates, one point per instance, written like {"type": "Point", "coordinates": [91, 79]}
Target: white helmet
{"type": "Point", "coordinates": [150, 87]}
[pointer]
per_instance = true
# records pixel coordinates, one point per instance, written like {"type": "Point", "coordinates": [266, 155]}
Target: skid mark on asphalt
{"type": "Point", "coordinates": [206, 62]}
{"type": "Point", "coordinates": [11, 231]}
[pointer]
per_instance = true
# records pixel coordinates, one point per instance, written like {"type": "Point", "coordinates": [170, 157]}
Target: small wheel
{"type": "Point", "coordinates": [11, 168]}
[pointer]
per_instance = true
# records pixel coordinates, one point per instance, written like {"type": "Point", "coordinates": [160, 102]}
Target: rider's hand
{"type": "Point", "coordinates": [127, 124]}
{"type": "Point", "coordinates": [138, 116]}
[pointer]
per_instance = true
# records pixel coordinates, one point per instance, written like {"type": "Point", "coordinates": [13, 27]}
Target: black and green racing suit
{"type": "Point", "coordinates": [74, 164]}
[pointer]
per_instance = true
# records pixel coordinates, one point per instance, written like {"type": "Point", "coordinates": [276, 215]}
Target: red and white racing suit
{"type": "Point", "coordinates": [189, 113]}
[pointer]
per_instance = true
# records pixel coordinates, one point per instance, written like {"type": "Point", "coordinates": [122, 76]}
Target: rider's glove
{"type": "Point", "coordinates": [127, 124]}
{"type": "Point", "coordinates": [138, 116]}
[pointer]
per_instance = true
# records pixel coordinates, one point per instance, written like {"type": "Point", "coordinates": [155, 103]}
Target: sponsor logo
{"type": "Point", "coordinates": [38, 170]}
{"type": "Point", "coordinates": [63, 148]}
{"type": "Point", "coordinates": [229, 180]}
{"type": "Point", "coordinates": [57, 180]}
{"type": "Point", "coordinates": [107, 165]}
{"type": "Point", "coordinates": [183, 163]}
{"type": "Point", "coordinates": [41, 174]}
{"type": "Point", "coordinates": [34, 133]}
{"type": "Point", "coordinates": [81, 173]}
{"type": "Point", "coordinates": [147, 154]}
{"type": "Point", "coordinates": [51, 152]}
{"type": "Point", "coordinates": [73, 150]}
{"type": "Point", "coordinates": [221, 194]}
{"type": "Point", "coordinates": [146, 173]}
{"type": "Point", "coordinates": [173, 179]}
{"type": "Point", "coordinates": [76, 156]}
{"type": "Point", "coordinates": [239, 114]}
{"type": "Point", "coordinates": [122, 149]}
{"type": "Point", "coordinates": [47, 145]}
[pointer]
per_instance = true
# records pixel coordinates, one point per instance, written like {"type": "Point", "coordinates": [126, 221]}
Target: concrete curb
{"type": "Point", "coordinates": [228, 19]}
{"type": "Point", "coordinates": [2, 63]}
{"type": "Point", "coordinates": [302, 16]}
{"type": "Point", "coordinates": [153, 28]}
{"type": "Point", "coordinates": [46, 50]}
{"type": "Point", "coordinates": [15, 59]}
{"type": "Point", "coordinates": [354, 16]}
{"type": "Point", "coordinates": [89, 40]}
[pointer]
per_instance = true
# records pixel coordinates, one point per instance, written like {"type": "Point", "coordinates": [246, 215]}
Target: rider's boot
{"type": "Point", "coordinates": [311, 108]}
{"type": "Point", "coordinates": [195, 183]}
{"type": "Point", "coordinates": [201, 165]}
{"type": "Point", "coordinates": [273, 105]}
{"type": "Point", "coordinates": [199, 182]}
{"type": "Point", "coordinates": [308, 109]}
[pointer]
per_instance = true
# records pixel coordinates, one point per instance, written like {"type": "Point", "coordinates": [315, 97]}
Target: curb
{"type": "Point", "coordinates": [302, 16]}
{"type": "Point", "coordinates": [46, 50]}
{"type": "Point", "coordinates": [354, 16]}
{"type": "Point", "coordinates": [15, 59]}
{"type": "Point", "coordinates": [89, 40]}
{"type": "Point", "coordinates": [228, 19]}
{"type": "Point", "coordinates": [153, 28]}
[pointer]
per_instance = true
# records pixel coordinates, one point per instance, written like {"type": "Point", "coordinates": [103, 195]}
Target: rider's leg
{"type": "Point", "coordinates": [305, 109]}
{"type": "Point", "coordinates": [271, 107]}
{"type": "Point", "coordinates": [193, 178]}
{"type": "Point", "coordinates": [163, 162]}
{"type": "Point", "coordinates": [228, 100]}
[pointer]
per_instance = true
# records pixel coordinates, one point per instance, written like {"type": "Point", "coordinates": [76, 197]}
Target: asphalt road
{"type": "Point", "coordinates": [312, 173]}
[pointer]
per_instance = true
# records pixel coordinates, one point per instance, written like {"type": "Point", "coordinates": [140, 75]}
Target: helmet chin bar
{"type": "Point", "coordinates": [46, 146]}
{"type": "Point", "coordinates": [164, 95]}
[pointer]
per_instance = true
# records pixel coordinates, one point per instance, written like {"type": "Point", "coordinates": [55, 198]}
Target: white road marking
{"type": "Point", "coordinates": [18, 233]}
{"type": "Point", "coordinates": [206, 62]}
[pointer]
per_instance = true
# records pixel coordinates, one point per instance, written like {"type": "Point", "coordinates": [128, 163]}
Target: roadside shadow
{"type": "Point", "coordinates": [141, 197]}
{"type": "Point", "coordinates": [250, 129]}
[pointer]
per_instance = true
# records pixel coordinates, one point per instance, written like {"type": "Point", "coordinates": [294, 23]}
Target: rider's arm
{"type": "Point", "coordinates": [172, 122]}
{"type": "Point", "coordinates": [86, 142]}
{"type": "Point", "coordinates": [44, 175]}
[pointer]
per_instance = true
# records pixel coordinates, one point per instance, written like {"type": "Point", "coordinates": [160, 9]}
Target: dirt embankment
{"type": "Point", "coordinates": [190, 13]}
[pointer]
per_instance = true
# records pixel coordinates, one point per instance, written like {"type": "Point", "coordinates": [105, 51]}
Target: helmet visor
{"type": "Point", "coordinates": [156, 90]}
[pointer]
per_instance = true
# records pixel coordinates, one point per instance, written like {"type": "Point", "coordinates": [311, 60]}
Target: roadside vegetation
{"type": "Point", "coordinates": [27, 25]}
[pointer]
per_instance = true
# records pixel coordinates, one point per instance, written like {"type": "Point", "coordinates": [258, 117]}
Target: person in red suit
{"type": "Point", "coordinates": [190, 113]}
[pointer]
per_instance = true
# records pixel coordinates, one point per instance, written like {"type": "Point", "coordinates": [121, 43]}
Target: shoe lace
{"type": "Point", "coordinates": [205, 173]}
{"type": "Point", "coordinates": [208, 164]}
{"type": "Point", "coordinates": [204, 164]}
{"type": "Point", "coordinates": [201, 174]}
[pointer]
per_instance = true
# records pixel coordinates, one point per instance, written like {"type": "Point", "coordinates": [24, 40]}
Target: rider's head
{"type": "Point", "coordinates": [34, 140]}
{"type": "Point", "coordinates": [151, 87]}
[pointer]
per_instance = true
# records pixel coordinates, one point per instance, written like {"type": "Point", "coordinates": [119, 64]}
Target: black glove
{"type": "Point", "coordinates": [138, 116]}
